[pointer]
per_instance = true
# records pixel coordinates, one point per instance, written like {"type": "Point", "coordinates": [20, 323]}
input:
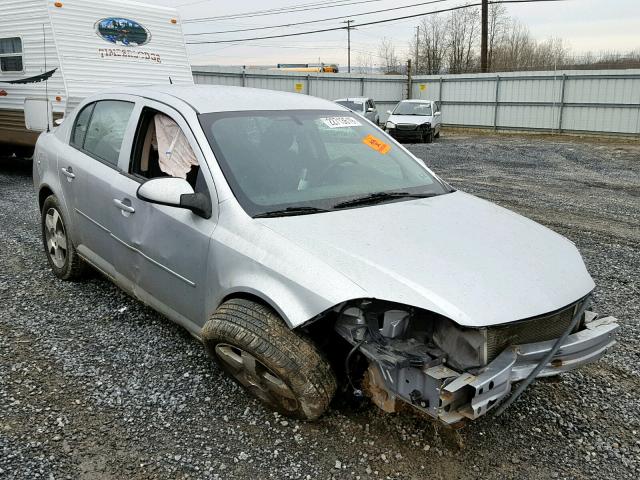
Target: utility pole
{"type": "Point", "coordinates": [484, 34]}
{"type": "Point", "coordinates": [417, 46]}
{"type": "Point", "coordinates": [409, 86]}
{"type": "Point", "coordinates": [349, 27]}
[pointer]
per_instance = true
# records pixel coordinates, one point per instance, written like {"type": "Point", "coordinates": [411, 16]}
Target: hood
{"type": "Point", "coordinates": [414, 119]}
{"type": "Point", "coordinates": [457, 255]}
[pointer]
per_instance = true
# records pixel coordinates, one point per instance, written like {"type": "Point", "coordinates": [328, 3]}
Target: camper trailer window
{"type": "Point", "coordinates": [11, 54]}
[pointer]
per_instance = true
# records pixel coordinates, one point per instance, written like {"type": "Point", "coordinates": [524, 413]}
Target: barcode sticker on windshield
{"type": "Point", "coordinates": [340, 122]}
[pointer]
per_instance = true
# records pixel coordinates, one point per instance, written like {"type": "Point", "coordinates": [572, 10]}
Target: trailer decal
{"type": "Point", "coordinates": [122, 31]}
{"type": "Point", "coordinates": [124, 53]}
{"type": "Point", "coordinates": [35, 79]}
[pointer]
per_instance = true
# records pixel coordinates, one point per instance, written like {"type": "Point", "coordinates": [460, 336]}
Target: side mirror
{"type": "Point", "coordinates": [389, 112]}
{"type": "Point", "coordinates": [437, 114]}
{"type": "Point", "coordinates": [371, 109]}
{"type": "Point", "coordinates": [174, 192]}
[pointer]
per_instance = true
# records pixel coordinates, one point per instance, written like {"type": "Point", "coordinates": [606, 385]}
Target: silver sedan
{"type": "Point", "coordinates": [301, 244]}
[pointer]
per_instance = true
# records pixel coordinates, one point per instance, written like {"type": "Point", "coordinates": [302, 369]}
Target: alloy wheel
{"type": "Point", "coordinates": [256, 377]}
{"type": "Point", "coordinates": [56, 237]}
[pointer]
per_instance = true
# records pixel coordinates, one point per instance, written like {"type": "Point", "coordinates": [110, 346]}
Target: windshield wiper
{"type": "Point", "coordinates": [290, 211]}
{"type": "Point", "coordinates": [380, 197]}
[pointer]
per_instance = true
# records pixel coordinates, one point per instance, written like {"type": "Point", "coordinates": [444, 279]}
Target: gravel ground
{"type": "Point", "coordinates": [95, 385]}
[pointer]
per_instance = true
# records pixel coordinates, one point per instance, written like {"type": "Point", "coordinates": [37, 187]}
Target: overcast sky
{"type": "Point", "coordinates": [584, 25]}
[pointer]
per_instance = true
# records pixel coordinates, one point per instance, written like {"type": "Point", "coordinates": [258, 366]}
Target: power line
{"type": "Point", "coordinates": [377, 22]}
{"type": "Point", "coordinates": [319, 20]}
{"type": "Point", "coordinates": [283, 10]}
{"type": "Point", "coordinates": [269, 11]}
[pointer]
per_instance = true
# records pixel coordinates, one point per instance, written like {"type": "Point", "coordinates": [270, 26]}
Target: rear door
{"type": "Point", "coordinates": [87, 166]}
{"type": "Point", "coordinates": [161, 251]}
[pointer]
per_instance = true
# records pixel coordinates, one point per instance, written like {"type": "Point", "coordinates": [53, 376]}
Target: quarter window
{"type": "Point", "coordinates": [107, 125]}
{"type": "Point", "coordinates": [80, 127]}
{"type": "Point", "coordinates": [11, 54]}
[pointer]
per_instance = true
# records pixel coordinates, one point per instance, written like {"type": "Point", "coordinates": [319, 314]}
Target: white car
{"type": "Point", "coordinates": [415, 120]}
{"type": "Point", "coordinates": [363, 106]}
{"type": "Point", "coordinates": [297, 241]}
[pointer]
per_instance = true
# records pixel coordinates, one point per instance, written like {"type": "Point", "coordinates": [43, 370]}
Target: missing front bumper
{"type": "Point", "coordinates": [453, 396]}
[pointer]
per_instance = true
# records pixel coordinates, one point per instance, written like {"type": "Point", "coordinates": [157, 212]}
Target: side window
{"type": "Point", "coordinates": [80, 127]}
{"type": "Point", "coordinates": [11, 54]}
{"type": "Point", "coordinates": [106, 130]}
{"type": "Point", "coordinates": [373, 104]}
{"type": "Point", "coordinates": [161, 149]}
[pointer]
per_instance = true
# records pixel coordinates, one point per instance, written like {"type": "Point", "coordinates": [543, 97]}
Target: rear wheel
{"type": "Point", "coordinates": [282, 369]}
{"type": "Point", "coordinates": [61, 253]}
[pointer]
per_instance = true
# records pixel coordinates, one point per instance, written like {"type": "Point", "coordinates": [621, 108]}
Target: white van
{"type": "Point", "coordinates": [55, 53]}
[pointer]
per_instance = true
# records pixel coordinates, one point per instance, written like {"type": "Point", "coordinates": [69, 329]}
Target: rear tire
{"type": "Point", "coordinates": [283, 370]}
{"type": "Point", "coordinates": [61, 252]}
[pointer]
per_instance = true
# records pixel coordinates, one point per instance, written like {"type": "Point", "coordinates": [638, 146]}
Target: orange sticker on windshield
{"type": "Point", "coordinates": [377, 144]}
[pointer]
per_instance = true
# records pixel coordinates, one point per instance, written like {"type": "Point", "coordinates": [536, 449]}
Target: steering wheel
{"type": "Point", "coordinates": [338, 162]}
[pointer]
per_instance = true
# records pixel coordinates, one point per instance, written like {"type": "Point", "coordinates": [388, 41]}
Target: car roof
{"type": "Point", "coordinates": [416, 101]}
{"type": "Point", "coordinates": [222, 98]}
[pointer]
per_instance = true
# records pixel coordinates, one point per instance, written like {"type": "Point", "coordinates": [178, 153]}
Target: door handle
{"type": "Point", "coordinates": [68, 172]}
{"type": "Point", "coordinates": [123, 206]}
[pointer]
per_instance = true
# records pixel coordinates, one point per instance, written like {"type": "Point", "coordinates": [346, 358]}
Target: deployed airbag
{"type": "Point", "coordinates": [175, 156]}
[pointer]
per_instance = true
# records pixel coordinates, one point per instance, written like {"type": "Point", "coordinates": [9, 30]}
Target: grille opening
{"type": "Point", "coordinates": [528, 331]}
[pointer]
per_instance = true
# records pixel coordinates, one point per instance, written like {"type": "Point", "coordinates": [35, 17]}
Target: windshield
{"type": "Point", "coordinates": [355, 106]}
{"type": "Point", "coordinates": [412, 108]}
{"type": "Point", "coordinates": [318, 159]}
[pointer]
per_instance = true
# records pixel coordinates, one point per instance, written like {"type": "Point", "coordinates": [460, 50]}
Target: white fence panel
{"type": "Point", "coordinates": [605, 101]}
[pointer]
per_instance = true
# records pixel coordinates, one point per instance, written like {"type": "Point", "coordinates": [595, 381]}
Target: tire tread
{"type": "Point", "coordinates": [260, 330]}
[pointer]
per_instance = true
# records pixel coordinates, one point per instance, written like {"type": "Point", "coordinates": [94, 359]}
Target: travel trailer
{"type": "Point", "coordinates": [55, 53]}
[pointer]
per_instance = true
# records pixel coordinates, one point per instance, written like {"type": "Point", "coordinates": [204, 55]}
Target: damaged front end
{"type": "Point", "coordinates": [455, 373]}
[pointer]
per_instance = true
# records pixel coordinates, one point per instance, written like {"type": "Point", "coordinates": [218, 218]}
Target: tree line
{"type": "Point", "coordinates": [450, 43]}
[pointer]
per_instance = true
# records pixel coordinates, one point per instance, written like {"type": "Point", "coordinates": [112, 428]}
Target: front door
{"type": "Point", "coordinates": [161, 251]}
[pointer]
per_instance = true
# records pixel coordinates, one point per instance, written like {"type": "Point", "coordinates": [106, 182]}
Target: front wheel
{"type": "Point", "coordinates": [427, 136]}
{"type": "Point", "coordinates": [283, 370]}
